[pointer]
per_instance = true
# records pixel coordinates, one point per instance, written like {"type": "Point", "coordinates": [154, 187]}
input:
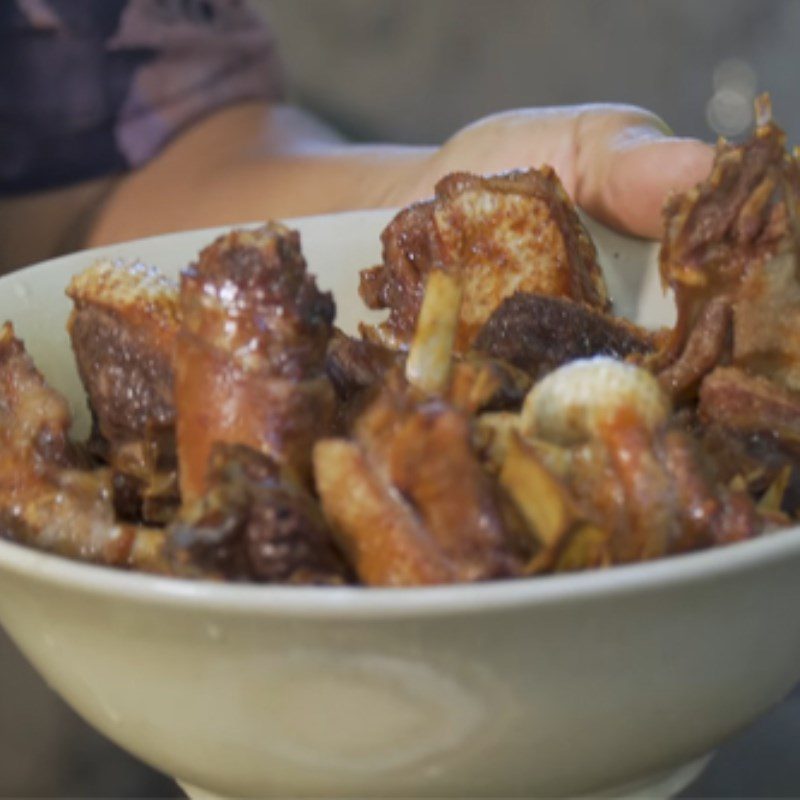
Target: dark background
{"type": "Point", "coordinates": [414, 71]}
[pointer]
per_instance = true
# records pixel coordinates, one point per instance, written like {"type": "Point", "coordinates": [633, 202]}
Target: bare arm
{"type": "Point", "coordinates": [249, 162]}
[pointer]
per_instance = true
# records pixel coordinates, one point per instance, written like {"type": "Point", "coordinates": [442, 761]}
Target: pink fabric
{"type": "Point", "coordinates": [202, 64]}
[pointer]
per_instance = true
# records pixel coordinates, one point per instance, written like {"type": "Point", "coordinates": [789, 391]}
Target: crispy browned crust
{"type": "Point", "coordinates": [728, 242]}
{"type": "Point", "coordinates": [255, 524]}
{"type": "Point", "coordinates": [498, 235]}
{"type": "Point", "coordinates": [123, 329]}
{"type": "Point", "coordinates": [409, 500]}
{"type": "Point", "coordinates": [750, 404]}
{"type": "Point", "coordinates": [251, 296]}
{"type": "Point", "coordinates": [538, 333]}
{"type": "Point", "coordinates": [250, 355]}
{"type": "Point", "coordinates": [45, 500]}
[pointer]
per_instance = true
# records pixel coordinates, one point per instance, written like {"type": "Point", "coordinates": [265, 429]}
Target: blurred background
{"type": "Point", "coordinates": [414, 71]}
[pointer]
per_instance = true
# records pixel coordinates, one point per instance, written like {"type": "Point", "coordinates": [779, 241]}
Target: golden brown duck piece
{"type": "Point", "coordinates": [408, 499]}
{"type": "Point", "coordinates": [510, 233]}
{"type": "Point", "coordinates": [46, 500]}
{"type": "Point", "coordinates": [123, 328]}
{"type": "Point", "coordinates": [730, 252]}
{"type": "Point", "coordinates": [537, 334]}
{"type": "Point", "coordinates": [255, 524]}
{"type": "Point", "coordinates": [250, 355]}
{"type": "Point", "coordinates": [599, 436]}
{"type": "Point", "coordinates": [407, 496]}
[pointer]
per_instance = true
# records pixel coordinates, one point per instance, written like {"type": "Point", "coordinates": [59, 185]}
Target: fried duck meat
{"type": "Point", "coordinates": [357, 368]}
{"type": "Point", "coordinates": [255, 524]}
{"type": "Point", "coordinates": [46, 499]}
{"type": "Point", "coordinates": [250, 354]}
{"type": "Point", "coordinates": [408, 499]}
{"type": "Point", "coordinates": [537, 334]}
{"type": "Point", "coordinates": [407, 496]}
{"type": "Point", "coordinates": [631, 481]}
{"type": "Point", "coordinates": [123, 328]}
{"type": "Point", "coordinates": [730, 253]}
{"type": "Point", "coordinates": [510, 233]}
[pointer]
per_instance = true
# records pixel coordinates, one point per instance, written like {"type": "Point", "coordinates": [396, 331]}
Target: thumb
{"type": "Point", "coordinates": [626, 185]}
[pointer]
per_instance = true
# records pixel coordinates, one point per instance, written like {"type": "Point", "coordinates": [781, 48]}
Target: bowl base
{"type": "Point", "coordinates": [659, 786]}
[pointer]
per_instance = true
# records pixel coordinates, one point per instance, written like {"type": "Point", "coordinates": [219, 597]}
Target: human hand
{"type": "Point", "coordinates": [250, 162]}
{"type": "Point", "coordinates": [618, 163]}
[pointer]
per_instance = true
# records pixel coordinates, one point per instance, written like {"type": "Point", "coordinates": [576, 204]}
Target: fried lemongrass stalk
{"type": "Point", "coordinates": [494, 432]}
{"type": "Point", "coordinates": [429, 360]}
{"type": "Point", "coordinates": [771, 500]}
{"type": "Point", "coordinates": [541, 498]}
{"type": "Point", "coordinates": [534, 476]}
{"type": "Point", "coordinates": [250, 354]}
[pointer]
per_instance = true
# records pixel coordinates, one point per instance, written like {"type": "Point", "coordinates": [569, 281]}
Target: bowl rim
{"type": "Point", "coordinates": [358, 602]}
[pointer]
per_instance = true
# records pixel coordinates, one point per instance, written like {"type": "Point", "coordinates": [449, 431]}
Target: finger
{"type": "Point", "coordinates": [625, 175]}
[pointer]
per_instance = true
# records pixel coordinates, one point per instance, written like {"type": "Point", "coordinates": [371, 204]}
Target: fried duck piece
{"type": "Point", "coordinates": [357, 368]}
{"type": "Point", "coordinates": [730, 252]}
{"type": "Point", "coordinates": [537, 334]}
{"type": "Point", "coordinates": [46, 500]}
{"type": "Point", "coordinates": [407, 497]}
{"type": "Point", "coordinates": [250, 354]}
{"type": "Point", "coordinates": [626, 485]}
{"type": "Point", "coordinates": [499, 235]}
{"type": "Point", "coordinates": [354, 365]}
{"type": "Point", "coordinates": [255, 524]}
{"type": "Point", "coordinates": [750, 404]}
{"type": "Point", "coordinates": [123, 328]}
{"type": "Point", "coordinates": [750, 426]}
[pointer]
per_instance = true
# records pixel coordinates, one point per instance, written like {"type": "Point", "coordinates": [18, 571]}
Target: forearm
{"type": "Point", "coordinates": [250, 162]}
{"type": "Point", "coordinates": [241, 165]}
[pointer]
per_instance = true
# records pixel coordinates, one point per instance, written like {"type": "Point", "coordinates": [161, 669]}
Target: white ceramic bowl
{"type": "Point", "coordinates": [559, 685]}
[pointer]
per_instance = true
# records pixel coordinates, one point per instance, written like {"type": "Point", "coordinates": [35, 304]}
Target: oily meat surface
{"type": "Point", "coordinates": [730, 253]}
{"type": "Point", "coordinates": [499, 235]}
{"type": "Point", "coordinates": [538, 333]}
{"type": "Point", "coordinates": [123, 328]}
{"type": "Point", "coordinates": [250, 354]}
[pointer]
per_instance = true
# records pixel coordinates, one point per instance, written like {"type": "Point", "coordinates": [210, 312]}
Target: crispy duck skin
{"type": "Point", "coordinates": [357, 369]}
{"type": "Point", "coordinates": [629, 468]}
{"type": "Point", "coordinates": [46, 500]}
{"type": "Point", "coordinates": [730, 252]}
{"type": "Point", "coordinates": [537, 333]}
{"type": "Point", "coordinates": [255, 524]}
{"type": "Point", "coordinates": [498, 235]}
{"type": "Point", "coordinates": [751, 405]}
{"type": "Point", "coordinates": [408, 499]}
{"type": "Point", "coordinates": [655, 494]}
{"type": "Point", "coordinates": [354, 364]}
{"type": "Point", "coordinates": [673, 504]}
{"type": "Point", "coordinates": [123, 327]}
{"type": "Point", "coordinates": [123, 330]}
{"type": "Point", "coordinates": [250, 354]}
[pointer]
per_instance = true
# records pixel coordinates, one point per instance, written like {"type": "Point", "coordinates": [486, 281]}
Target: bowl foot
{"type": "Point", "coordinates": [659, 786]}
